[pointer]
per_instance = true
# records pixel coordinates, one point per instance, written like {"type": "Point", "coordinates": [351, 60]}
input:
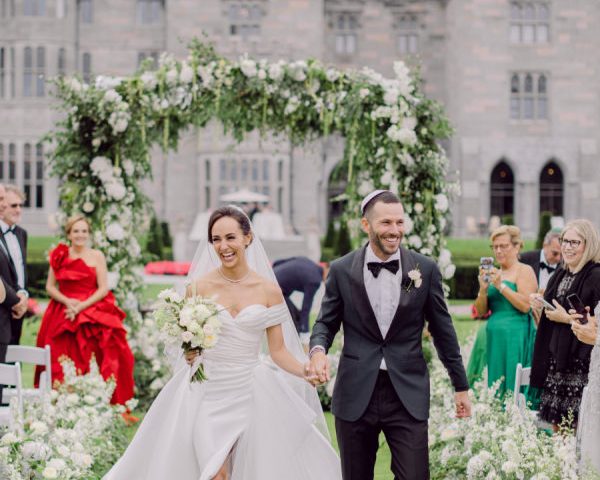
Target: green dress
{"type": "Point", "coordinates": [510, 339]}
{"type": "Point", "coordinates": [478, 358]}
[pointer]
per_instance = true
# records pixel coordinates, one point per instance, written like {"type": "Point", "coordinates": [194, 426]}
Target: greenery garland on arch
{"type": "Point", "coordinates": [101, 148]}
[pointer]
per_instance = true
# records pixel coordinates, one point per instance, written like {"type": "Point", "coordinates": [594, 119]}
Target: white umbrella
{"type": "Point", "coordinates": [244, 196]}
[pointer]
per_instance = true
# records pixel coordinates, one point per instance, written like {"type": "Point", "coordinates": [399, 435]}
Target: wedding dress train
{"type": "Point", "coordinates": [247, 413]}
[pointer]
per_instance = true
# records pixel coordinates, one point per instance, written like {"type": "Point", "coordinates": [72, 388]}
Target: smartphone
{"type": "Point", "coordinates": [546, 305]}
{"type": "Point", "coordinates": [578, 306]}
{"type": "Point", "coordinates": [486, 263]}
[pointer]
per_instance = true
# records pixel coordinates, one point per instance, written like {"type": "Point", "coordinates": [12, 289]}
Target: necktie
{"type": "Point", "coordinates": [547, 267]}
{"type": "Point", "coordinates": [9, 230]}
{"type": "Point", "coordinates": [375, 267]}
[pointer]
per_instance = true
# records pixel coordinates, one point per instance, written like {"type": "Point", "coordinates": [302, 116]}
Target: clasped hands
{"type": "Point", "coordinates": [20, 308]}
{"type": "Point", "coordinates": [316, 371]}
{"type": "Point", "coordinates": [73, 307]}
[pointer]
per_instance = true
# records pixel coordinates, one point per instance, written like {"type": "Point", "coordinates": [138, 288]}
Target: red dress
{"type": "Point", "coordinates": [98, 330]}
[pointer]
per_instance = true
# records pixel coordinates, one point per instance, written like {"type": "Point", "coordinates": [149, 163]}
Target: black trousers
{"type": "Point", "coordinates": [3, 347]}
{"type": "Point", "coordinates": [406, 437]}
{"type": "Point", "coordinates": [16, 327]}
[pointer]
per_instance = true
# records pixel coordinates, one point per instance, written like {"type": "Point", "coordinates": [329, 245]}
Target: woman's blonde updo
{"type": "Point", "coordinates": [512, 231]}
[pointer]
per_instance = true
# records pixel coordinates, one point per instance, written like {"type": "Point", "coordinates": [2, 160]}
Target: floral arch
{"type": "Point", "coordinates": [101, 148]}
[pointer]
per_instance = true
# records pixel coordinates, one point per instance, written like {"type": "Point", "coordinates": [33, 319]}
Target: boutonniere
{"type": "Point", "coordinates": [415, 278]}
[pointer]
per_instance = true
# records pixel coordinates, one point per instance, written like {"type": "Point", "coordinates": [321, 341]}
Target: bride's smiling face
{"type": "Point", "coordinates": [229, 241]}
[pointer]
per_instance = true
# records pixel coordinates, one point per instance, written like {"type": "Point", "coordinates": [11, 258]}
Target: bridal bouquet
{"type": "Point", "coordinates": [193, 321]}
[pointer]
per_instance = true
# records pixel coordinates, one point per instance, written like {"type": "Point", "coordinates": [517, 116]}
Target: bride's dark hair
{"type": "Point", "coordinates": [228, 211]}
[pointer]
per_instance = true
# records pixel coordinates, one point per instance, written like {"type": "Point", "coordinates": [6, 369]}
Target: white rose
{"type": "Point", "coordinates": [63, 450]}
{"type": "Point", "coordinates": [208, 330]}
{"type": "Point", "coordinates": [202, 311]}
{"type": "Point", "coordinates": [116, 190]}
{"type": "Point", "coordinates": [248, 67]}
{"type": "Point", "coordinates": [187, 337]}
{"type": "Point", "coordinates": [407, 136]}
{"type": "Point", "coordinates": [186, 316]}
{"type": "Point", "coordinates": [50, 472]}
{"type": "Point", "coordinates": [415, 241]}
{"type": "Point", "coordinates": [418, 208]}
{"type": "Point", "coordinates": [115, 232]}
{"type": "Point", "coordinates": [87, 207]}
{"type": "Point", "coordinates": [193, 327]}
{"type": "Point", "coordinates": [209, 341]}
{"type": "Point", "coordinates": [174, 297]}
{"type": "Point", "coordinates": [441, 202]}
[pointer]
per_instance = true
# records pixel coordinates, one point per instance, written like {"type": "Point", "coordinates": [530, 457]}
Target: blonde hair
{"type": "Point", "coordinates": [512, 231]}
{"type": "Point", "coordinates": [16, 190]}
{"type": "Point", "coordinates": [589, 233]}
{"type": "Point", "coordinates": [73, 220]}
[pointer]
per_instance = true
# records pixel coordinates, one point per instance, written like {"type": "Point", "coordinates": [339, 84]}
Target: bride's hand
{"type": "Point", "coordinates": [309, 375]}
{"type": "Point", "coordinates": [190, 356]}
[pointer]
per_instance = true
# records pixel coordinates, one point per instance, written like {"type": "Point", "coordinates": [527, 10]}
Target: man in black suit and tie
{"type": "Point", "coordinates": [382, 294]}
{"type": "Point", "coordinates": [545, 261]}
{"type": "Point", "coordinates": [13, 301]}
{"type": "Point", "coordinates": [13, 241]}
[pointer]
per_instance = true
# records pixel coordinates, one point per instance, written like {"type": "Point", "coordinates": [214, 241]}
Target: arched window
{"type": "Point", "coordinates": [551, 189]}
{"type": "Point", "coordinates": [502, 190]}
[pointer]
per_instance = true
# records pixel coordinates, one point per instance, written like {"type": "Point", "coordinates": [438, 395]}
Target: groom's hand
{"type": "Point", "coordinates": [320, 366]}
{"type": "Point", "coordinates": [463, 404]}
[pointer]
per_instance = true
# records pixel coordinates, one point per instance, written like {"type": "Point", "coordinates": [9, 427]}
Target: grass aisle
{"type": "Point", "coordinates": [464, 327]}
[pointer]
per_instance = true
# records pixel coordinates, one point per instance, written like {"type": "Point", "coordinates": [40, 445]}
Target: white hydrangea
{"type": "Point", "coordinates": [149, 80]}
{"type": "Point", "coordinates": [112, 96]}
{"type": "Point", "coordinates": [115, 232]}
{"type": "Point", "coordinates": [187, 73]}
{"type": "Point", "coordinates": [248, 67]}
{"type": "Point", "coordinates": [276, 71]}
{"type": "Point", "coordinates": [115, 189]}
{"type": "Point", "coordinates": [172, 76]}
{"type": "Point", "coordinates": [104, 82]}
{"type": "Point", "coordinates": [441, 202]}
{"type": "Point", "coordinates": [415, 241]}
{"type": "Point", "coordinates": [364, 93]}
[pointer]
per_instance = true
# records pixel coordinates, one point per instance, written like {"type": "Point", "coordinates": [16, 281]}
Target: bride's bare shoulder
{"type": "Point", "coordinates": [200, 286]}
{"type": "Point", "coordinates": [272, 291]}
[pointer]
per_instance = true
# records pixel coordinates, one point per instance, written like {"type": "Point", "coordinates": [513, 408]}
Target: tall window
{"type": "Point", "coordinates": [62, 62]}
{"type": "Point", "coordinates": [12, 163]}
{"type": "Point", "coordinates": [245, 18]}
{"type": "Point", "coordinates": [86, 11]}
{"type": "Point", "coordinates": [40, 74]}
{"type": "Point", "coordinates": [407, 34]}
{"type": "Point", "coordinates": [2, 72]}
{"type": "Point", "coordinates": [551, 189]}
{"type": "Point", "coordinates": [7, 8]}
{"type": "Point", "coordinates": [27, 174]}
{"type": "Point", "coordinates": [34, 8]}
{"type": "Point", "coordinates": [39, 176]}
{"type": "Point", "coordinates": [502, 190]}
{"type": "Point", "coordinates": [529, 22]}
{"type": "Point", "coordinates": [345, 32]}
{"type": "Point", "coordinates": [87, 67]}
{"type": "Point", "coordinates": [28, 72]}
{"type": "Point", "coordinates": [150, 11]}
{"type": "Point", "coordinates": [529, 96]}
{"type": "Point", "coordinates": [12, 72]}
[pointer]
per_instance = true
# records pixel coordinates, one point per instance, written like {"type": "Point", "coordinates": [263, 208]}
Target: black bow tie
{"type": "Point", "coordinates": [375, 267]}
{"type": "Point", "coordinates": [550, 268]}
{"type": "Point", "coordinates": [9, 230]}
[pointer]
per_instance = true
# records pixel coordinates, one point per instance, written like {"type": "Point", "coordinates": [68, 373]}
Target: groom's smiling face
{"type": "Point", "coordinates": [384, 224]}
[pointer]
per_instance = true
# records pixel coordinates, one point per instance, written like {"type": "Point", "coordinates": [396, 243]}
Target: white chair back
{"type": "Point", "coordinates": [35, 356]}
{"type": "Point", "coordinates": [522, 376]}
{"type": "Point", "coordinates": [10, 375]}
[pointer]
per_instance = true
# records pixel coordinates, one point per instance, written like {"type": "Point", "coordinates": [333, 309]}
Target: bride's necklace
{"type": "Point", "coordinates": [231, 280]}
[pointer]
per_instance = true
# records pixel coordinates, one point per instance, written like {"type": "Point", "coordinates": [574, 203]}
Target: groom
{"type": "Point", "coordinates": [382, 294]}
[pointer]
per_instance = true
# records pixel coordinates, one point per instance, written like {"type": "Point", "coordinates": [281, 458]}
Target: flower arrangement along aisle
{"type": "Point", "coordinates": [192, 321]}
{"type": "Point", "coordinates": [73, 433]}
{"type": "Point", "coordinates": [497, 442]}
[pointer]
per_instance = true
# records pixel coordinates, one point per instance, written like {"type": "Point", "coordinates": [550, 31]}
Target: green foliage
{"type": "Point", "coordinates": [155, 244]}
{"type": "Point", "coordinates": [166, 235]}
{"type": "Point", "coordinates": [343, 244]}
{"type": "Point", "coordinates": [508, 219]}
{"type": "Point", "coordinates": [329, 239]}
{"type": "Point", "coordinates": [544, 228]}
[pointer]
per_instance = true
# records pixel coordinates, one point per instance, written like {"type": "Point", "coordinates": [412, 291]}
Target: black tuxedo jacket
{"type": "Point", "coordinates": [9, 279]}
{"type": "Point", "coordinates": [346, 303]}
{"type": "Point", "coordinates": [532, 258]}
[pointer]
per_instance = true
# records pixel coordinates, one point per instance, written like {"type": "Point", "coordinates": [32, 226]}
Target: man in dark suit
{"type": "Point", "coordinates": [299, 274]}
{"type": "Point", "coordinates": [545, 261]}
{"type": "Point", "coordinates": [382, 294]}
{"type": "Point", "coordinates": [12, 303]}
{"type": "Point", "coordinates": [14, 243]}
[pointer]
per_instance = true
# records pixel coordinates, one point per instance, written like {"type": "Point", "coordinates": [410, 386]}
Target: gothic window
{"type": "Point", "coordinates": [38, 176]}
{"type": "Point", "coordinates": [245, 18]}
{"type": "Point", "coordinates": [529, 22]}
{"type": "Point", "coordinates": [528, 96]}
{"type": "Point", "coordinates": [28, 72]}
{"type": "Point", "coordinates": [87, 67]}
{"type": "Point", "coordinates": [27, 174]}
{"type": "Point", "coordinates": [345, 27]}
{"type": "Point", "coordinates": [551, 189]}
{"type": "Point", "coordinates": [2, 72]}
{"type": "Point", "coordinates": [12, 163]}
{"type": "Point", "coordinates": [62, 62]}
{"type": "Point", "coordinates": [40, 74]}
{"type": "Point", "coordinates": [407, 34]}
{"type": "Point", "coordinates": [86, 11]}
{"type": "Point", "coordinates": [150, 12]}
{"type": "Point", "coordinates": [34, 8]}
{"type": "Point", "coordinates": [7, 8]}
{"type": "Point", "coordinates": [502, 190]}
{"type": "Point", "coordinates": [12, 72]}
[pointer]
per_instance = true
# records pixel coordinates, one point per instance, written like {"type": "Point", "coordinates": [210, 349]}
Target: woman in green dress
{"type": "Point", "coordinates": [510, 331]}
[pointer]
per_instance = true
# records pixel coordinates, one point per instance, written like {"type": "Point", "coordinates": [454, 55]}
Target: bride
{"type": "Point", "coordinates": [256, 417]}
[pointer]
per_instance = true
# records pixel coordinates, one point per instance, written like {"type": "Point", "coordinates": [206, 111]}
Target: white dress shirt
{"type": "Point", "coordinates": [383, 292]}
{"type": "Point", "coordinates": [544, 275]}
{"type": "Point", "coordinates": [14, 249]}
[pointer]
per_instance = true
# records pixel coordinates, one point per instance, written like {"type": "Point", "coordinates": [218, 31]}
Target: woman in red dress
{"type": "Point", "coordinates": [82, 318]}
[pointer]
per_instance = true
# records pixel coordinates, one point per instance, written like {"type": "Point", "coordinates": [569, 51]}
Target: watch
{"type": "Point", "coordinates": [24, 292]}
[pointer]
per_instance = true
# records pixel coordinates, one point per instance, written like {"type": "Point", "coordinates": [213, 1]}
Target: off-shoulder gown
{"type": "Point", "coordinates": [246, 411]}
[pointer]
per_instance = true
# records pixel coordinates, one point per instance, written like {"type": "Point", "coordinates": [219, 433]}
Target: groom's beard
{"type": "Point", "coordinates": [378, 241]}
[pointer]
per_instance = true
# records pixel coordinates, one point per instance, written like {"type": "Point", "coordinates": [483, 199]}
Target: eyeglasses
{"type": "Point", "coordinates": [15, 205]}
{"type": "Point", "coordinates": [501, 247]}
{"type": "Point", "coordinates": [570, 243]}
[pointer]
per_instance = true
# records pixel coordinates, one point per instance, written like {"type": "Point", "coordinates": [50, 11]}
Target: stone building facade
{"type": "Point", "coordinates": [518, 79]}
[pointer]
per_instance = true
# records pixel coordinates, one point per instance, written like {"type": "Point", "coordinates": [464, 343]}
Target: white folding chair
{"type": "Point", "coordinates": [35, 356]}
{"type": "Point", "coordinates": [10, 375]}
{"type": "Point", "coordinates": [522, 379]}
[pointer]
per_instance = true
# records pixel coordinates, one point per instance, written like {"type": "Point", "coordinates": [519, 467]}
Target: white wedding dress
{"type": "Point", "coordinates": [588, 430]}
{"type": "Point", "coordinates": [247, 412]}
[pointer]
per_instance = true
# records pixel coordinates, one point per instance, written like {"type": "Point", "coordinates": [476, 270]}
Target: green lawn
{"type": "Point", "coordinates": [37, 247]}
{"type": "Point", "coordinates": [470, 250]}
